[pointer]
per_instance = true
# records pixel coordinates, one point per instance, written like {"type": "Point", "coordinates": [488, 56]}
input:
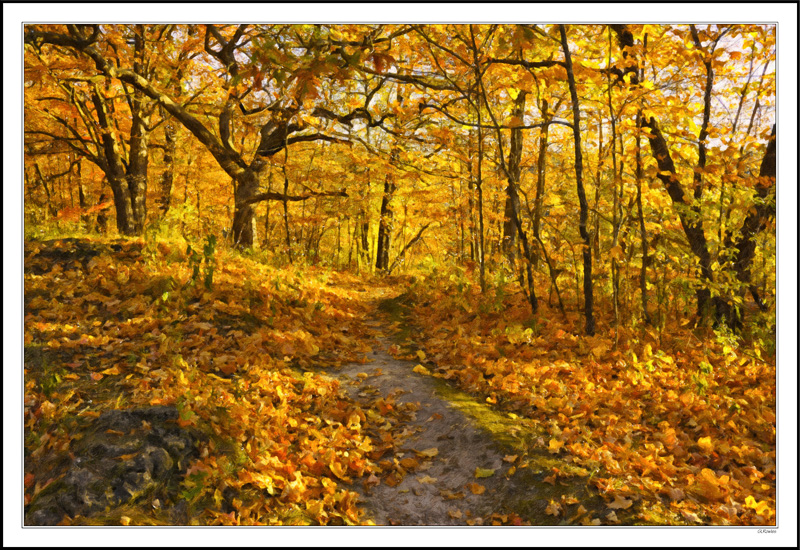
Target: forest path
{"type": "Point", "coordinates": [435, 490]}
{"type": "Point", "coordinates": [453, 460]}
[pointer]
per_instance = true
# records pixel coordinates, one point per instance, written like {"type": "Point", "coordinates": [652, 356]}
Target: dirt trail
{"type": "Point", "coordinates": [442, 489]}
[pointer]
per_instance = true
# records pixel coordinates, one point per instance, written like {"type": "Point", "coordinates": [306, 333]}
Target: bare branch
{"type": "Point", "coordinates": [273, 196]}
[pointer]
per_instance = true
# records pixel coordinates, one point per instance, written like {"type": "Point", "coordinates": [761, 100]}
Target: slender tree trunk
{"type": "Point", "coordinates": [286, 213]}
{"type": "Point", "coordinates": [479, 187]}
{"type": "Point", "coordinates": [512, 200]}
{"type": "Point", "coordinates": [642, 227]}
{"type": "Point", "coordinates": [51, 207]}
{"type": "Point", "coordinates": [511, 212]}
{"type": "Point", "coordinates": [541, 166]}
{"type": "Point", "coordinates": [584, 205]}
{"type": "Point", "coordinates": [473, 236]}
{"type": "Point", "coordinates": [598, 179]}
{"type": "Point", "coordinates": [83, 200]}
{"type": "Point", "coordinates": [364, 233]}
{"type": "Point", "coordinates": [385, 220]}
{"type": "Point", "coordinates": [617, 177]}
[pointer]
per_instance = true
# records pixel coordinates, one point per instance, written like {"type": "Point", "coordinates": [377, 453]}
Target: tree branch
{"type": "Point", "coordinates": [273, 196]}
{"type": "Point", "coordinates": [407, 246]}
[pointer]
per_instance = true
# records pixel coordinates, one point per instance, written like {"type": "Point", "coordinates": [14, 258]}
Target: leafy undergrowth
{"type": "Point", "coordinates": [684, 430]}
{"type": "Point", "coordinates": [123, 324]}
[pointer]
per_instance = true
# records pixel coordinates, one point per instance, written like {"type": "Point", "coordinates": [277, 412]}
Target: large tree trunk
{"type": "Point", "coordinates": [137, 173]}
{"type": "Point", "coordinates": [114, 168]}
{"type": "Point", "coordinates": [243, 228]}
{"type": "Point", "coordinates": [168, 176]}
{"type": "Point", "coordinates": [584, 205]}
{"type": "Point", "coordinates": [138, 158]}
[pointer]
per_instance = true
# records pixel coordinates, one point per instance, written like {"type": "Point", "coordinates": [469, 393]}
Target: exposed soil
{"type": "Point", "coordinates": [467, 464]}
{"type": "Point", "coordinates": [122, 457]}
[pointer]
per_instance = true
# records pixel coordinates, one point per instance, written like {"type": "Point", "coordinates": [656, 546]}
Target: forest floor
{"type": "Point", "coordinates": [455, 460]}
{"type": "Point", "coordinates": [166, 387]}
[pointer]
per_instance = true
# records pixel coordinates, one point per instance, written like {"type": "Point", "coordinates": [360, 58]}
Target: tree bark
{"type": "Point", "coordinates": [541, 168]}
{"type": "Point", "coordinates": [642, 226]}
{"type": "Point", "coordinates": [744, 241]}
{"type": "Point", "coordinates": [115, 169]}
{"type": "Point", "coordinates": [138, 155]}
{"type": "Point", "coordinates": [385, 220]}
{"type": "Point", "coordinates": [168, 176]}
{"type": "Point", "coordinates": [514, 171]}
{"type": "Point", "coordinates": [584, 205]}
{"type": "Point", "coordinates": [692, 223]}
{"type": "Point", "coordinates": [276, 134]}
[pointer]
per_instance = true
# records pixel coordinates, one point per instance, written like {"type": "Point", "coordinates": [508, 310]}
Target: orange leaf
{"type": "Point", "coordinates": [409, 463]}
{"type": "Point", "coordinates": [476, 488]}
{"type": "Point", "coordinates": [393, 479]}
{"type": "Point", "coordinates": [96, 376]}
{"type": "Point", "coordinates": [228, 368]}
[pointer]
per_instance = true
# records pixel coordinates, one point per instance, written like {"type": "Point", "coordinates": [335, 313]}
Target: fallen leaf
{"type": "Point", "coordinates": [676, 494]}
{"type": "Point", "coordinates": [112, 370]}
{"type": "Point", "coordinates": [483, 472]}
{"type": "Point", "coordinates": [476, 488]}
{"type": "Point", "coordinates": [612, 517]}
{"type": "Point", "coordinates": [393, 479]}
{"type": "Point", "coordinates": [124, 520]}
{"type": "Point", "coordinates": [455, 514]}
{"type": "Point", "coordinates": [409, 463]}
{"type": "Point", "coordinates": [421, 355]}
{"type": "Point", "coordinates": [428, 453]}
{"type": "Point", "coordinates": [553, 509]}
{"type": "Point", "coordinates": [691, 516]}
{"type": "Point", "coordinates": [96, 376]}
{"type": "Point", "coordinates": [620, 503]}
{"type": "Point", "coordinates": [427, 479]}
{"type": "Point", "coordinates": [705, 444]}
{"type": "Point", "coordinates": [421, 370]}
{"type": "Point", "coordinates": [372, 481]}
{"type": "Point", "coordinates": [510, 458]}
{"type": "Point", "coordinates": [578, 513]}
{"type": "Point", "coordinates": [555, 445]}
